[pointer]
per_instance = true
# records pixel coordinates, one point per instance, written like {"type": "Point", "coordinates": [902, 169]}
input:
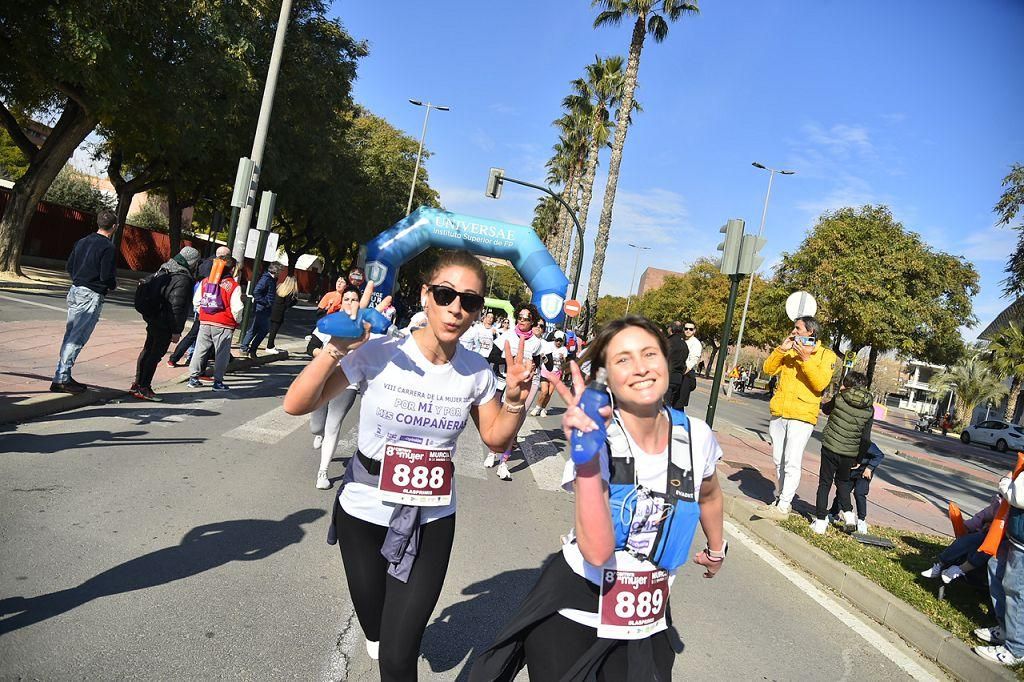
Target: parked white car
{"type": "Point", "coordinates": [998, 434]}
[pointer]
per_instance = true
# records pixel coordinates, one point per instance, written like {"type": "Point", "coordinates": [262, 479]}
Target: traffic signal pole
{"type": "Point", "coordinates": [723, 349]}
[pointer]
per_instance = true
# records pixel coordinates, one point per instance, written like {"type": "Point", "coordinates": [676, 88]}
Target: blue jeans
{"type": "Point", "coordinates": [1006, 587]}
{"type": "Point", "coordinates": [84, 306]}
{"type": "Point", "coordinates": [965, 548]}
{"type": "Point", "coordinates": [260, 326]}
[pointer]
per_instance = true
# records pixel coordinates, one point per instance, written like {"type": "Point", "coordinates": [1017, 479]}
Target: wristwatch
{"type": "Point", "coordinates": [720, 554]}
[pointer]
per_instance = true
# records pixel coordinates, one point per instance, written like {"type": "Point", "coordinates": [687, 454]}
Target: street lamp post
{"type": "Point", "coordinates": [419, 154]}
{"type": "Point", "coordinates": [750, 284]}
{"type": "Point", "coordinates": [636, 261]}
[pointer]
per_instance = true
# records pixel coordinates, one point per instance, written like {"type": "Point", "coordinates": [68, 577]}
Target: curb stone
{"type": "Point", "coordinates": [932, 641]}
{"type": "Point", "coordinates": [48, 404]}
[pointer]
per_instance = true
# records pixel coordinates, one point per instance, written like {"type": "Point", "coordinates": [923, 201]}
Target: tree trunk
{"type": "Point", "coordinates": [127, 189]}
{"type": "Point", "coordinates": [72, 127]}
{"type": "Point", "coordinates": [1011, 400]}
{"type": "Point", "coordinates": [173, 219]}
{"type": "Point", "coordinates": [570, 227]}
{"type": "Point", "coordinates": [604, 225]}
{"type": "Point", "coordinates": [872, 361]}
{"type": "Point", "coordinates": [711, 360]}
{"type": "Point", "coordinates": [587, 187]}
{"type": "Point", "coordinates": [563, 224]}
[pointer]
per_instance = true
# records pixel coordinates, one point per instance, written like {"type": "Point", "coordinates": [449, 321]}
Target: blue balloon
{"type": "Point", "coordinates": [426, 227]}
{"type": "Point", "coordinates": [344, 327]}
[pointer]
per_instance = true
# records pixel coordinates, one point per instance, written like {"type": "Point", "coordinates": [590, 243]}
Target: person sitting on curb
{"type": "Point", "coordinates": [804, 367]}
{"type": "Point", "coordinates": [219, 311]}
{"type": "Point", "coordinates": [846, 437]}
{"type": "Point", "coordinates": [962, 555]}
{"type": "Point", "coordinates": [1006, 584]}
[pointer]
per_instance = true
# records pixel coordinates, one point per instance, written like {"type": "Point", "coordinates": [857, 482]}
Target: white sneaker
{"type": "Point", "coordinates": [934, 572]}
{"type": "Point", "coordinates": [783, 509]}
{"type": "Point", "coordinates": [998, 654]}
{"type": "Point", "coordinates": [849, 519]}
{"type": "Point", "coordinates": [535, 411]}
{"type": "Point", "coordinates": [322, 482]}
{"type": "Point", "coordinates": [503, 472]}
{"type": "Point", "coordinates": [992, 635]}
{"type": "Point", "coordinates": [317, 442]}
{"type": "Point", "coordinates": [490, 459]}
{"type": "Point", "coordinates": [819, 526]}
{"type": "Point", "coordinates": [952, 573]}
{"type": "Point", "coordinates": [373, 649]}
{"type": "Point", "coordinates": [862, 526]}
{"type": "Point", "coordinates": [544, 412]}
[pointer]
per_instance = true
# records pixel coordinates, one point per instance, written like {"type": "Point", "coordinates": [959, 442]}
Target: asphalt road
{"type": "Point", "coordinates": [186, 540]}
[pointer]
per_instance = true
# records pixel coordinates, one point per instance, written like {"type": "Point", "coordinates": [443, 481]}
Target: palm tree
{"type": "Point", "coordinates": [560, 174]}
{"type": "Point", "coordinates": [595, 96]}
{"type": "Point", "coordinates": [652, 17]}
{"type": "Point", "coordinates": [1007, 351]}
{"type": "Point", "coordinates": [973, 381]}
{"type": "Point", "coordinates": [573, 142]}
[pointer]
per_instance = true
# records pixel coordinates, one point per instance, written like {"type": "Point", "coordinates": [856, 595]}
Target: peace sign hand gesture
{"type": "Point", "coordinates": [575, 417]}
{"type": "Point", "coordinates": [518, 374]}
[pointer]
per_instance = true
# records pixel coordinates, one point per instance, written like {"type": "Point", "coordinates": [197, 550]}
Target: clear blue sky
{"type": "Point", "coordinates": [913, 104]}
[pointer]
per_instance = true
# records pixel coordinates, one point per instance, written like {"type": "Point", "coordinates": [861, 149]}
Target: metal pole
{"type": "Point", "coordinates": [716, 385]}
{"type": "Point", "coordinates": [636, 261]}
{"type": "Point", "coordinates": [234, 225]}
{"type": "Point", "coordinates": [750, 284]}
{"type": "Point", "coordinates": [259, 141]}
{"type": "Point", "coordinates": [419, 154]}
{"type": "Point", "coordinates": [257, 270]}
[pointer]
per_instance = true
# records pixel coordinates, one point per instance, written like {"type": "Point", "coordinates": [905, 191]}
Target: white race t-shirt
{"type": "Point", "coordinates": [650, 473]}
{"type": "Point", "coordinates": [407, 399]}
{"type": "Point", "coordinates": [532, 349]}
{"type": "Point", "coordinates": [485, 339]}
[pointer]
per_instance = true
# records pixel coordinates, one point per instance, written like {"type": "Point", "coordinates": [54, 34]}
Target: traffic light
{"type": "Point", "coordinates": [730, 246]}
{"type": "Point", "coordinates": [750, 258]}
{"type": "Point", "coordinates": [267, 203]}
{"type": "Point", "coordinates": [494, 182]}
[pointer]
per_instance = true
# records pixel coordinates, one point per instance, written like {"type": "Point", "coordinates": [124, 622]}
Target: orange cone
{"type": "Point", "coordinates": [998, 528]}
{"type": "Point", "coordinates": [957, 519]}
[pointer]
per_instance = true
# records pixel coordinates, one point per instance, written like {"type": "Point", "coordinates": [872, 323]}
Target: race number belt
{"type": "Point", "coordinates": [632, 604]}
{"type": "Point", "coordinates": [418, 477]}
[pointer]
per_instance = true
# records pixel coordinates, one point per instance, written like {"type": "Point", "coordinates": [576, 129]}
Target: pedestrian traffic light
{"type": "Point", "coordinates": [750, 258]}
{"type": "Point", "coordinates": [494, 182]}
{"type": "Point", "coordinates": [243, 182]}
{"type": "Point", "coordinates": [267, 203]}
{"type": "Point", "coordinates": [730, 246]}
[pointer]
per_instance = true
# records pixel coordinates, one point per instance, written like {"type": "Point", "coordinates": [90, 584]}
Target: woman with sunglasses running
{"type": "Point", "coordinates": [520, 341]}
{"type": "Point", "coordinates": [600, 607]}
{"type": "Point", "coordinates": [325, 421]}
{"type": "Point", "coordinates": [394, 519]}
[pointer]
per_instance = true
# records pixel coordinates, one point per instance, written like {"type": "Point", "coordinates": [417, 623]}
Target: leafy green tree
{"type": "Point", "coordinates": [73, 189]}
{"type": "Point", "coordinates": [150, 216]}
{"type": "Point", "coordinates": [505, 283]}
{"type": "Point", "coordinates": [13, 163]}
{"type": "Point", "coordinates": [1007, 359]}
{"type": "Point", "coordinates": [974, 383]}
{"type": "Point", "coordinates": [1007, 208]}
{"type": "Point", "coordinates": [650, 17]}
{"type": "Point", "coordinates": [545, 215]}
{"type": "Point", "coordinates": [877, 284]}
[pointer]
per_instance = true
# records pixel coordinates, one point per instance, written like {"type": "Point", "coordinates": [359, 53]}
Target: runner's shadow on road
{"type": "Point", "coordinates": [54, 443]}
{"type": "Point", "coordinates": [468, 627]}
{"type": "Point", "coordinates": [753, 484]}
{"type": "Point", "coordinates": [203, 548]}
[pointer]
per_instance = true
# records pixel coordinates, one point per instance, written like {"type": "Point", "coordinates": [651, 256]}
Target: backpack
{"type": "Point", "coordinates": [211, 301]}
{"type": "Point", "coordinates": [149, 294]}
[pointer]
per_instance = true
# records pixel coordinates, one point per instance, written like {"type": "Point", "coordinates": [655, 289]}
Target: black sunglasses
{"type": "Point", "coordinates": [690, 329]}
{"type": "Point", "coordinates": [443, 296]}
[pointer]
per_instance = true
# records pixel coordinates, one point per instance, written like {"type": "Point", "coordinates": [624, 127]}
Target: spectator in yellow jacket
{"type": "Point", "coordinates": [804, 369]}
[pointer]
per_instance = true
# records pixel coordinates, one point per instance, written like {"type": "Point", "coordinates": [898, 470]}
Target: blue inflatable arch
{"type": "Point", "coordinates": [426, 227]}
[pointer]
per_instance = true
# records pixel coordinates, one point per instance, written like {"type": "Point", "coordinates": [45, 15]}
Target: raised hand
{"type": "Point", "coordinates": [518, 374]}
{"type": "Point", "coordinates": [575, 417]}
{"type": "Point", "coordinates": [349, 345]}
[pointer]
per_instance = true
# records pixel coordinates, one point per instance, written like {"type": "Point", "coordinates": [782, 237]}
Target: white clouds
{"type": "Point", "coordinates": [992, 244]}
{"type": "Point", "coordinates": [841, 139]}
{"type": "Point", "coordinates": [652, 216]}
{"type": "Point", "coordinates": [846, 190]}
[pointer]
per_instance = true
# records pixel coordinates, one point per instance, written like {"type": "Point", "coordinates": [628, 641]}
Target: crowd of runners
{"type": "Point", "coordinates": [600, 609]}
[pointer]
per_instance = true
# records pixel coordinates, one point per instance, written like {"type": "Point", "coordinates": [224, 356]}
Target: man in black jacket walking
{"type": "Point", "coordinates": [93, 273]}
{"type": "Point", "coordinates": [173, 295]}
{"type": "Point", "coordinates": [677, 353]}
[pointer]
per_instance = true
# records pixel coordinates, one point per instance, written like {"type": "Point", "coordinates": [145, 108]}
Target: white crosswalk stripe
{"type": "Point", "coordinates": [544, 453]}
{"type": "Point", "coordinates": [270, 427]}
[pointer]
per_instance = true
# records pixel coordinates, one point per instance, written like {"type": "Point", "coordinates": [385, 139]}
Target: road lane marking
{"type": "Point", "coordinates": [270, 427]}
{"type": "Point", "coordinates": [61, 309]}
{"type": "Point", "coordinates": [543, 457]}
{"type": "Point", "coordinates": [844, 615]}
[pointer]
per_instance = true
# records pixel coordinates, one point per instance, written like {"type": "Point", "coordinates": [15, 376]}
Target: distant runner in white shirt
{"type": "Point", "coordinates": [557, 355]}
{"type": "Point", "coordinates": [394, 520]}
{"type": "Point", "coordinates": [693, 351]}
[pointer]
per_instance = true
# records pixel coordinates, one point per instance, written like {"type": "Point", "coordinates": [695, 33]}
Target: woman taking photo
{"type": "Point", "coordinates": [325, 421]}
{"type": "Point", "coordinates": [394, 519]}
{"type": "Point", "coordinates": [518, 341]}
{"type": "Point", "coordinates": [600, 607]}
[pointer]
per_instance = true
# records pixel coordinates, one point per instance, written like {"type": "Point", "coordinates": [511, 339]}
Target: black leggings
{"type": "Point", "coordinates": [392, 612]}
{"type": "Point", "coordinates": [834, 468]}
{"type": "Point", "coordinates": [274, 328]}
{"type": "Point", "coordinates": [158, 338]}
{"type": "Point", "coordinates": [555, 644]}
